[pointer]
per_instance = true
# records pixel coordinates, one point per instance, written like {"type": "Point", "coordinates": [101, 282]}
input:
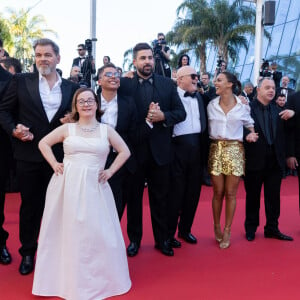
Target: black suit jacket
{"type": "Point", "coordinates": [22, 104]}
{"type": "Point", "coordinates": [5, 146]}
{"type": "Point", "coordinates": [159, 137]}
{"type": "Point", "coordinates": [126, 128]}
{"type": "Point", "coordinates": [293, 132]}
{"type": "Point", "coordinates": [255, 153]}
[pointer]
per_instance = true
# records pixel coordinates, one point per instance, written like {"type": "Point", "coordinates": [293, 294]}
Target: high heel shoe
{"type": "Point", "coordinates": [225, 243]}
{"type": "Point", "coordinates": [218, 233]}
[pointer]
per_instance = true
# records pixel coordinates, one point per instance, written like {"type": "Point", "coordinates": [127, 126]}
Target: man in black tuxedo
{"type": "Point", "coordinates": [158, 109]}
{"type": "Point", "coordinates": [32, 107]}
{"type": "Point", "coordinates": [119, 113]}
{"type": "Point", "coordinates": [5, 161]}
{"type": "Point", "coordinates": [190, 142]}
{"type": "Point", "coordinates": [293, 138]}
{"type": "Point", "coordinates": [265, 162]}
{"type": "Point", "coordinates": [86, 65]}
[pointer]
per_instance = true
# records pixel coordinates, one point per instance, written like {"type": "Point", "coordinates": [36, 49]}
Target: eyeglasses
{"type": "Point", "coordinates": [194, 76]}
{"type": "Point", "coordinates": [89, 102]}
{"type": "Point", "coordinates": [80, 49]}
{"type": "Point", "coordinates": [111, 74]}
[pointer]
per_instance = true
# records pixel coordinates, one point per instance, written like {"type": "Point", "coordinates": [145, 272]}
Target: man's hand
{"type": "Point", "coordinates": [67, 119]}
{"type": "Point", "coordinates": [292, 162]}
{"type": "Point", "coordinates": [22, 133]}
{"type": "Point", "coordinates": [286, 114]}
{"type": "Point", "coordinates": [154, 113]}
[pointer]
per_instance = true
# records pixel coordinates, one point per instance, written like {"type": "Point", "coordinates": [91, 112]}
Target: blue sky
{"type": "Point", "coordinates": [120, 24]}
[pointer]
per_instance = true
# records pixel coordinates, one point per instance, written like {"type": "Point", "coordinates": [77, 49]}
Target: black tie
{"type": "Point", "coordinates": [268, 127]}
{"type": "Point", "coordinates": [188, 94]}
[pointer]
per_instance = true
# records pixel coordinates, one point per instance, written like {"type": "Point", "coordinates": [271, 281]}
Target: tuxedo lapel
{"type": "Point", "coordinates": [32, 84]}
{"type": "Point", "coordinates": [258, 116]}
{"type": "Point", "coordinates": [202, 113]}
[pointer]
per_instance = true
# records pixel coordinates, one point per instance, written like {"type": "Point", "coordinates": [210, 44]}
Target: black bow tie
{"type": "Point", "coordinates": [149, 80]}
{"type": "Point", "coordinates": [188, 94]}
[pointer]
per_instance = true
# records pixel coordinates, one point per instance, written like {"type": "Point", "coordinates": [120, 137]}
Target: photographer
{"type": "Point", "coordinates": [85, 63]}
{"type": "Point", "coordinates": [271, 71]}
{"type": "Point", "coordinates": [162, 56]}
{"type": "Point", "coordinates": [221, 67]}
{"type": "Point", "coordinates": [207, 91]}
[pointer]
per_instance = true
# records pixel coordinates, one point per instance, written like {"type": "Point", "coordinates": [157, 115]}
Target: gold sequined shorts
{"type": "Point", "coordinates": [226, 157]}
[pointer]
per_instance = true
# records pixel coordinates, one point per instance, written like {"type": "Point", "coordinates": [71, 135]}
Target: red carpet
{"type": "Point", "coordinates": [263, 269]}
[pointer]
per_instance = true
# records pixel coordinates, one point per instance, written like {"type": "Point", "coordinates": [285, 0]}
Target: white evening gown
{"type": "Point", "coordinates": [81, 253]}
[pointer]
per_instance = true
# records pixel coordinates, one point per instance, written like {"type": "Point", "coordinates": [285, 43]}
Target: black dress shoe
{"type": "Point", "coordinates": [5, 257]}
{"type": "Point", "coordinates": [165, 248]}
{"type": "Point", "coordinates": [250, 236]}
{"type": "Point", "coordinates": [277, 235]}
{"type": "Point", "coordinates": [189, 238]}
{"type": "Point", "coordinates": [174, 243]}
{"type": "Point", "coordinates": [26, 266]}
{"type": "Point", "coordinates": [133, 249]}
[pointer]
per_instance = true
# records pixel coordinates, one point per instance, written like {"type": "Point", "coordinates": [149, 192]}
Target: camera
{"type": "Point", "coordinates": [89, 45]}
{"type": "Point", "coordinates": [265, 68]}
{"type": "Point", "coordinates": [157, 46]}
{"type": "Point", "coordinates": [200, 85]}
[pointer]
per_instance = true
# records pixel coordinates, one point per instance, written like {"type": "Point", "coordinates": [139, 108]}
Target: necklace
{"type": "Point", "coordinates": [88, 129]}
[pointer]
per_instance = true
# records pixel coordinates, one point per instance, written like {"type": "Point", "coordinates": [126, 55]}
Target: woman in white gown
{"type": "Point", "coordinates": [81, 253]}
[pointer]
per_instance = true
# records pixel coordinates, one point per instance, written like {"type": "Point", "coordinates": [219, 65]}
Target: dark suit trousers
{"type": "Point", "coordinates": [271, 179]}
{"type": "Point", "coordinates": [158, 186]}
{"type": "Point", "coordinates": [186, 178]}
{"type": "Point", "coordinates": [33, 180]}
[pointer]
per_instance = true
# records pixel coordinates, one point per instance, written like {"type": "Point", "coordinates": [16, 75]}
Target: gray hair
{"type": "Point", "coordinates": [46, 42]}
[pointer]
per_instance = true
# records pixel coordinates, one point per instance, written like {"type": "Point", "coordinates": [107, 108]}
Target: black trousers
{"type": "Point", "coordinates": [186, 181]}
{"type": "Point", "coordinates": [158, 185]}
{"type": "Point", "coordinates": [33, 181]}
{"type": "Point", "coordinates": [271, 179]}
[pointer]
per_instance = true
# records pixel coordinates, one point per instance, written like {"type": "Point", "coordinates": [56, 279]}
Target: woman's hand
{"type": "Point", "coordinates": [105, 175]}
{"type": "Point", "coordinates": [58, 168]}
{"type": "Point", "coordinates": [252, 137]}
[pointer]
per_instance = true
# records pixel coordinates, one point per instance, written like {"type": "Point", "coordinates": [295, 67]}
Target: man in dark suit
{"type": "Point", "coordinates": [247, 92]}
{"type": "Point", "coordinates": [190, 147]}
{"type": "Point", "coordinates": [5, 161]}
{"type": "Point", "coordinates": [158, 109]}
{"type": "Point", "coordinates": [284, 88]}
{"type": "Point", "coordinates": [86, 65]}
{"type": "Point", "coordinates": [265, 162]}
{"type": "Point", "coordinates": [293, 137]}
{"type": "Point", "coordinates": [32, 107]}
{"type": "Point", "coordinates": [119, 113]}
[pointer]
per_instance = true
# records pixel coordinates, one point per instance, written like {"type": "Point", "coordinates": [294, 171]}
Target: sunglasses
{"type": "Point", "coordinates": [111, 74]}
{"type": "Point", "coordinates": [194, 76]}
{"type": "Point", "coordinates": [80, 49]}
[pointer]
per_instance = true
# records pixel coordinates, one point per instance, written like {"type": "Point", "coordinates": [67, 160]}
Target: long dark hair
{"type": "Point", "coordinates": [236, 84]}
{"type": "Point", "coordinates": [179, 65]}
{"type": "Point", "coordinates": [74, 113]}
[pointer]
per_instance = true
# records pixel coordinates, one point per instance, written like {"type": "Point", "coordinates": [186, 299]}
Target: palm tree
{"type": "Point", "coordinates": [190, 32]}
{"type": "Point", "coordinates": [217, 22]}
{"type": "Point", "coordinates": [128, 60]}
{"type": "Point", "coordinates": [24, 30]}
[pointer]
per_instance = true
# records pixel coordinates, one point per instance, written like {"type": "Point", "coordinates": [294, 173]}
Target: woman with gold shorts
{"type": "Point", "coordinates": [226, 117]}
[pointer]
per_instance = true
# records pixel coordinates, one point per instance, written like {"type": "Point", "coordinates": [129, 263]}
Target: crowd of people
{"type": "Point", "coordinates": [81, 157]}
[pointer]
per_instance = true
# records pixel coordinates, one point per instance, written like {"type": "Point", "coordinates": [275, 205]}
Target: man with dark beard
{"type": "Point", "coordinates": [32, 106]}
{"type": "Point", "coordinates": [158, 109]}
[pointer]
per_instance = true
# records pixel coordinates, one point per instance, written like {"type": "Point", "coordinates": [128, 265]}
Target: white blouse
{"type": "Point", "coordinates": [228, 126]}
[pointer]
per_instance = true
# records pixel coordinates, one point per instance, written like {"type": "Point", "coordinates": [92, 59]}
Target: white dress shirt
{"type": "Point", "coordinates": [51, 98]}
{"type": "Point", "coordinates": [228, 126]}
{"type": "Point", "coordinates": [191, 124]}
{"type": "Point", "coordinates": [110, 109]}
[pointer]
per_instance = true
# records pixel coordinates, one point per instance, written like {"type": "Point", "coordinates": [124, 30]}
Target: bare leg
{"type": "Point", "coordinates": [218, 183]}
{"type": "Point", "coordinates": [231, 186]}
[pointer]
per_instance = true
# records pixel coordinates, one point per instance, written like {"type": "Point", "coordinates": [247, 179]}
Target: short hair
{"type": "Point", "coordinates": [101, 70]}
{"type": "Point", "coordinates": [74, 112]}
{"type": "Point", "coordinates": [160, 33]}
{"type": "Point", "coordinates": [261, 80]}
{"type": "Point", "coordinates": [82, 45]}
{"type": "Point", "coordinates": [46, 42]}
{"type": "Point", "coordinates": [11, 61]}
{"type": "Point", "coordinates": [107, 57]}
{"type": "Point", "coordinates": [139, 47]}
{"type": "Point", "coordinates": [206, 73]}
{"type": "Point", "coordinates": [248, 83]}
